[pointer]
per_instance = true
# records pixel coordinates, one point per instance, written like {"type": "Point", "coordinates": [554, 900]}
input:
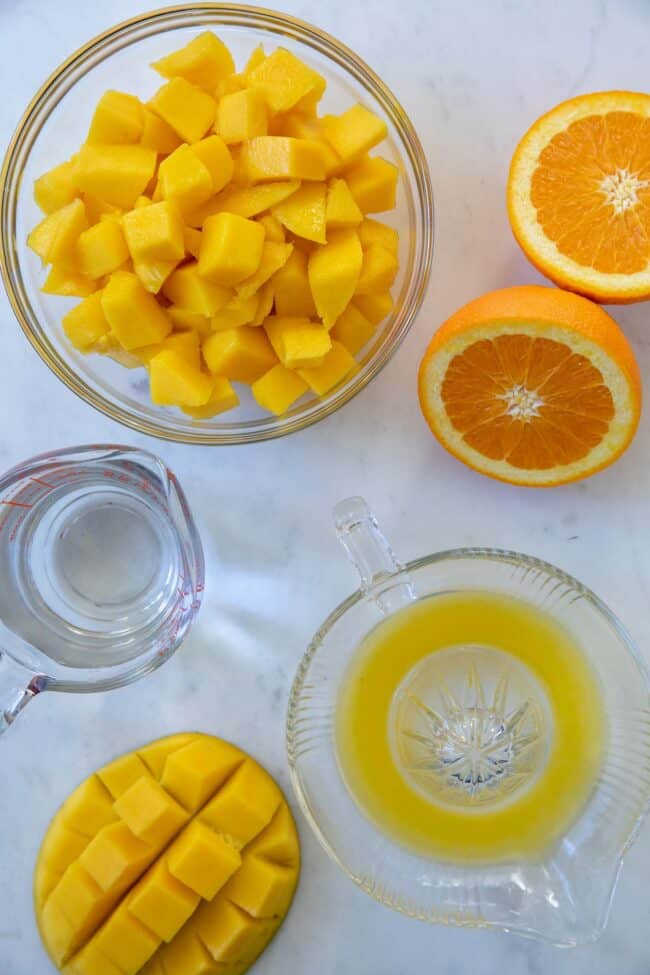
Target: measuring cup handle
{"type": "Point", "coordinates": [17, 687]}
{"type": "Point", "coordinates": [382, 576]}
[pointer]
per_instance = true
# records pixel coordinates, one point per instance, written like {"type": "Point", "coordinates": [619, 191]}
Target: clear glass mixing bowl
{"type": "Point", "coordinates": [54, 125]}
{"type": "Point", "coordinates": [563, 897]}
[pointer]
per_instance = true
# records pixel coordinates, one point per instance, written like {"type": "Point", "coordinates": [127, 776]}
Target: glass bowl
{"type": "Point", "coordinates": [53, 127]}
{"type": "Point", "coordinates": [562, 895]}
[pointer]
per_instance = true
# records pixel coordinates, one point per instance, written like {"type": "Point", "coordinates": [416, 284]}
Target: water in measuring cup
{"type": "Point", "coordinates": [91, 565]}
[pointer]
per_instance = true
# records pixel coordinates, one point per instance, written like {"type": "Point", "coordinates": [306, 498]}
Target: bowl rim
{"type": "Point", "coordinates": [344, 57]}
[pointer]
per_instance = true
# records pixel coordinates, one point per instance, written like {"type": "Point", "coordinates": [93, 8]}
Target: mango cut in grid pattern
{"type": "Point", "coordinates": [180, 858]}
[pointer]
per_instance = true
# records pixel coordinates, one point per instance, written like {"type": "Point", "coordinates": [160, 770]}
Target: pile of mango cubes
{"type": "Point", "coordinates": [219, 232]}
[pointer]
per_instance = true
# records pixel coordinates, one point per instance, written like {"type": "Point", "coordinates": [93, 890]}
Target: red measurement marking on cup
{"type": "Point", "coordinates": [16, 504]}
{"type": "Point", "coordinates": [37, 480]}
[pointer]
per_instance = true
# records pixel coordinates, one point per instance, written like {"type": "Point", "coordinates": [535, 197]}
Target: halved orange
{"type": "Point", "coordinates": [531, 385]}
{"type": "Point", "coordinates": [579, 195]}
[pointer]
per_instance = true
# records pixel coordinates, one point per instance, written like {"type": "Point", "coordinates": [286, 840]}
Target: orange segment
{"type": "Point", "coordinates": [531, 385]}
{"type": "Point", "coordinates": [579, 195]}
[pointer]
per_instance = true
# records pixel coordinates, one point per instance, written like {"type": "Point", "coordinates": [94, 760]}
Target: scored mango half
{"type": "Point", "coordinates": [217, 232]}
{"type": "Point", "coordinates": [180, 858]}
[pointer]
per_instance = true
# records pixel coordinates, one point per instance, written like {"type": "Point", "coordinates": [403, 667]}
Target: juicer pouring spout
{"type": "Point", "coordinates": [17, 688]}
{"type": "Point", "coordinates": [383, 578]}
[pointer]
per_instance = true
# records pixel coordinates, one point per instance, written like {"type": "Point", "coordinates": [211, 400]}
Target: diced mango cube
{"type": "Point", "coordinates": [352, 329]}
{"type": "Point", "coordinates": [292, 291]}
{"type": "Point", "coordinates": [271, 157]}
{"type": "Point", "coordinates": [302, 126]}
{"type": "Point", "coordinates": [58, 932]}
{"type": "Point", "coordinates": [374, 232]}
{"type": "Point", "coordinates": [193, 772]}
{"type": "Point", "coordinates": [91, 961]}
{"type": "Point", "coordinates": [303, 213]}
{"type": "Point", "coordinates": [241, 115]}
{"type": "Point", "coordinates": [157, 752]}
{"type": "Point", "coordinates": [204, 61]}
{"type": "Point", "coordinates": [342, 210]}
{"type": "Point", "coordinates": [62, 845]}
{"type": "Point", "coordinates": [239, 311]}
{"type": "Point", "coordinates": [373, 184]}
{"type": "Point", "coordinates": [187, 109]}
{"type": "Point", "coordinates": [153, 274]}
{"type": "Point", "coordinates": [230, 85]}
{"type": "Point", "coordinates": [231, 248]}
{"type": "Point", "coordinates": [248, 201]}
{"type": "Point", "coordinates": [55, 238]}
{"type": "Point", "coordinates": [192, 241]}
{"type": "Point", "coordinates": [202, 860]}
{"type": "Point", "coordinates": [264, 303]}
{"type": "Point", "coordinates": [261, 888]}
{"type": "Point", "coordinates": [374, 307]}
{"type": "Point", "coordinates": [116, 174]}
{"type": "Point", "coordinates": [278, 842]}
{"type": "Point", "coordinates": [149, 812]}
{"type": "Point", "coordinates": [228, 932]}
{"type": "Point", "coordinates": [102, 248]}
{"type": "Point", "coordinates": [68, 283]}
{"type": "Point", "coordinates": [222, 398]}
{"type": "Point", "coordinates": [161, 902]}
{"type": "Point", "coordinates": [126, 941]}
{"type": "Point", "coordinates": [158, 135]}
{"type": "Point", "coordinates": [354, 132]}
{"type": "Point", "coordinates": [274, 256]}
{"type": "Point", "coordinates": [297, 342]}
{"type": "Point", "coordinates": [278, 389]}
{"type": "Point", "coordinates": [118, 120]}
{"type": "Point", "coordinates": [89, 807]}
{"type": "Point", "coordinates": [188, 344]}
{"type": "Point", "coordinates": [174, 382]}
{"type": "Point", "coordinates": [272, 227]}
{"type": "Point", "coordinates": [257, 55]}
{"type": "Point", "coordinates": [184, 321]}
{"type": "Point", "coordinates": [187, 955]}
{"type": "Point", "coordinates": [45, 880]}
{"type": "Point", "coordinates": [243, 354]}
{"type": "Point", "coordinates": [334, 271]}
{"type": "Point", "coordinates": [82, 901]}
{"type": "Point", "coordinates": [155, 233]}
{"type": "Point", "coordinates": [96, 209]}
{"type": "Point", "coordinates": [114, 858]}
{"type": "Point", "coordinates": [56, 188]}
{"type": "Point", "coordinates": [134, 315]}
{"type": "Point", "coordinates": [284, 80]}
{"type": "Point", "coordinates": [377, 271]}
{"type": "Point", "coordinates": [185, 180]}
{"type": "Point", "coordinates": [187, 289]}
{"type": "Point", "coordinates": [338, 365]}
{"type": "Point", "coordinates": [244, 805]}
{"type": "Point", "coordinates": [215, 156]}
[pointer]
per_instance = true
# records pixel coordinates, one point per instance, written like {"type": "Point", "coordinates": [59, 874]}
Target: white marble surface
{"type": "Point", "coordinates": [472, 75]}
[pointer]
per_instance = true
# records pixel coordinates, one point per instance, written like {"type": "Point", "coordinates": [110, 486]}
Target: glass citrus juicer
{"type": "Point", "coordinates": [469, 738]}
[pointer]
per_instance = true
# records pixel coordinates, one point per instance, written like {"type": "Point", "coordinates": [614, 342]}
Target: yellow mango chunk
{"type": "Point", "coordinates": [377, 271]}
{"type": "Point", "coordinates": [223, 397]}
{"type": "Point", "coordinates": [188, 110]}
{"type": "Point", "coordinates": [373, 184]}
{"type": "Point", "coordinates": [184, 321]}
{"type": "Point", "coordinates": [187, 955]}
{"type": "Point", "coordinates": [272, 227]}
{"type": "Point", "coordinates": [89, 807]}
{"type": "Point", "coordinates": [338, 365]}
{"type": "Point", "coordinates": [260, 888]}
{"type": "Point", "coordinates": [374, 232]}
{"type": "Point", "coordinates": [240, 310]}
{"type": "Point", "coordinates": [185, 180]}
{"type": "Point", "coordinates": [58, 932]}
{"type": "Point", "coordinates": [126, 941]}
{"type": "Point", "coordinates": [154, 233]}
{"type": "Point", "coordinates": [192, 241]}
{"type": "Point", "coordinates": [153, 274]}
{"type": "Point", "coordinates": [297, 342]}
{"type": "Point", "coordinates": [241, 115]}
{"type": "Point", "coordinates": [118, 119]}
{"type": "Point", "coordinates": [62, 846]}
{"type": "Point", "coordinates": [277, 842]}
{"type": "Point", "coordinates": [157, 752]}
{"type": "Point", "coordinates": [250, 200]}
{"type": "Point", "coordinates": [264, 303]}
{"type": "Point", "coordinates": [271, 157]}
{"type": "Point", "coordinates": [231, 248]}
{"type": "Point", "coordinates": [244, 805]}
{"type": "Point", "coordinates": [188, 344]}
{"type": "Point", "coordinates": [213, 153]}
{"type": "Point", "coordinates": [352, 329]}
{"type": "Point", "coordinates": [354, 132]}
{"type": "Point", "coordinates": [96, 209]}
{"type": "Point", "coordinates": [187, 289]}
{"type": "Point", "coordinates": [374, 307]}
{"type": "Point", "coordinates": [102, 249]}
{"type": "Point", "coordinates": [68, 283]}
{"type": "Point", "coordinates": [204, 61]}
{"type": "Point", "coordinates": [303, 213]}
{"type": "Point", "coordinates": [116, 174]}
{"type": "Point", "coordinates": [301, 126]}
{"type": "Point", "coordinates": [229, 933]}
{"type": "Point", "coordinates": [203, 860]}
{"type": "Point", "coordinates": [91, 961]}
{"type": "Point", "coordinates": [194, 772]}
{"type": "Point", "coordinates": [56, 188]}
{"type": "Point", "coordinates": [158, 135]}
{"type": "Point", "coordinates": [161, 902]}
{"type": "Point", "coordinates": [150, 813]}
{"type": "Point", "coordinates": [293, 297]}
{"type": "Point", "coordinates": [83, 904]}
{"type": "Point", "coordinates": [334, 271]}
{"type": "Point", "coordinates": [274, 256]}
{"type": "Point", "coordinates": [55, 238]}
{"type": "Point", "coordinates": [243, 354]}
{"type": "Point", "coordinates": [342, 210]}
{"type": "Point", "coordinates": [228, 86]}
{"type": "Point", "coordinates": [284, 80]}
{"type": "Point", "coordinates": [278, 389]}
{"type": "Point", "coordinates": [114, 858]}
{"type": "Point", "coordinates": [134, 315]}
{"type": "Point", "coordinates": [174, 382]}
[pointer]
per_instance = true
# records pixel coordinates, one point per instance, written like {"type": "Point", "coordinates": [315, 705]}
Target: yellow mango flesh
{"type": "Point", "coordinates": [293, 296]}
{"type": "Point", "coordinates": [101, 249]}
{"type": "Point", "coordinates": [222, 398]}
{"type": "Point", "coordinates": [204, 61]}
{"type": "Point", "coordinates": [352, 329]}
{"type": "Point", "coordinates": [192, 893]}
{"type": "Point", "coordinates": [303, 213]}
{"type": "Point", "coordinates": [115, 174]}
{"type": "Point", "coordinates": [231, 249]}
{"type": "Point", "coordinates": [134, 315]}
{"type": "Point", "coordinates": [342, 210]}
{"type": "Point", "coordinates": [241, 115]}
{"type": "Point", "coordinates": [242, 354]}
{"type": "Point", "coordinates": [55, 188]}
{"type": "Point", "coordinates": [55, 238]}
{"type": "Point", "coordinates": [278, 389]}
{"type": "Point", "coordinates": [118, 119]}
{"type": "Point", "coordinates": [284, 80]}
{"type": "Point", "coordinates": [337, 366]}
{"type": "Point", "coordinates": [188, 110]}
{"type": "Point", "coordinates": [297, 342]}
{"type": "Point", "coordinates": [251, 200]}
{"type": "Point", "coordinates": [354, 132]}
{"type": "Point", "coordinates": [185, 180]}
{"type": "Point", "coordinates": [378, 271]}
{"type": "Point", "coordinates": [334, 271]}
{"type": "Point", "coordinates": [373, 182]}
{"type": "Point", "coordinates": [174, 381]}
{"type": "Point", "coordinates": [271, 157]}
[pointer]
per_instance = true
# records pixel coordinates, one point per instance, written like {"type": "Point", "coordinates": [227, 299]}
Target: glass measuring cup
{"type": "Point", "coordinates": [101, 571]}
{"type": "Point", "coordinates": [563, 896]}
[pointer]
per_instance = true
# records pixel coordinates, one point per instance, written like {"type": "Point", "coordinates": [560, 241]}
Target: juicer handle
{"type": "Point", "coordinates": [17, 688]}
{"type": "Point", "coordinates": [382, 576]}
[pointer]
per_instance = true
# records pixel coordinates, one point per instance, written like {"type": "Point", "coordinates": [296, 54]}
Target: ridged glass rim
{"type": "Point", "coordinates": [507, 556]}
{"type": "Point", "coordinates": [115, 39]}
